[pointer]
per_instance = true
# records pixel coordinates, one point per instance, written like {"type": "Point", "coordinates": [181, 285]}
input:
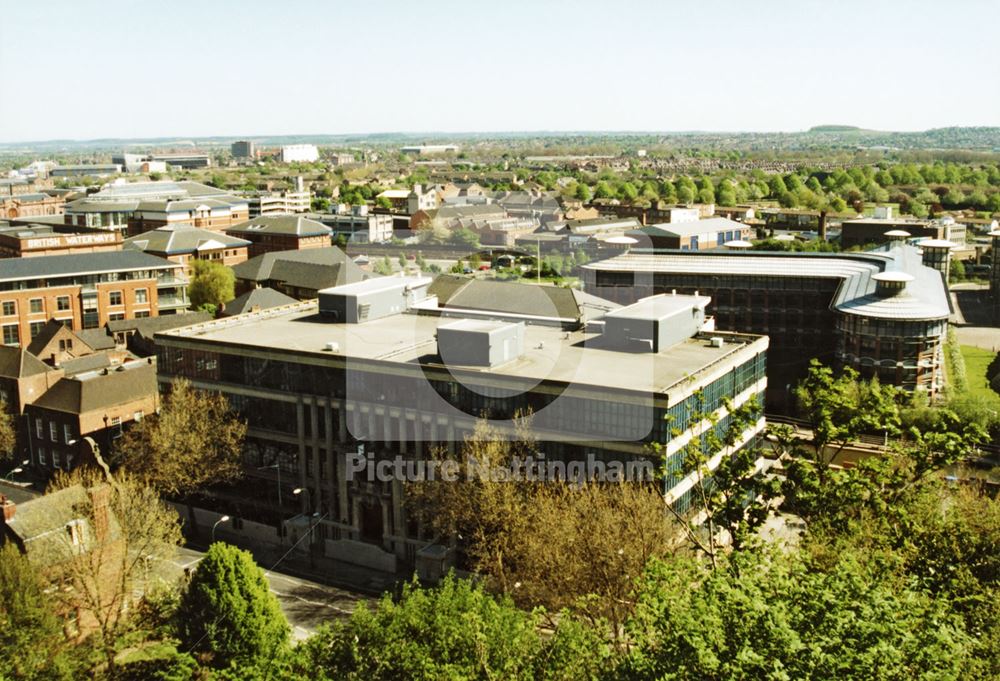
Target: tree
{"type": "Point", "coordinates": [582, 192]}
{"type": "Point", "coordinates": [131, 530]}
{"type": "Point", "coordinates": [8, 432]}
{"type": "Point", "coordinates": [838, 408]}
{"type": "Point", "coordinates": [548, 543]}
{"type": "Point", "coordinates": [212, 283]}
{"type": "Point", "coordinates": [603, 191]}
{"type": "Point", "coordinates": [383, 202]}
{"type": "Point", "coordinates": [464, 238]}
{"type": "Point", "coordinates": [454, 631]}
{"type": "Point", "coordinates": [227, 612]}
{"type": "Point", "coordinates": [194, 441]}
{"type": "Point", "coordinates": [32, 645]}
{"type": "Point", "coordinates": [627, 192]}
{"type": "Point", "coordinates": [781, 615]}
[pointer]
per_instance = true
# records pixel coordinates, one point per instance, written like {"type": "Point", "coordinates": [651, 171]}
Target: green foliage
{"type": "Point", "coordinates": [228, 613]}
{"type": "Point", "coordinates": [212, 283]}
{"type": "Point", "coordinates": [464, 238]}
{"type": "Point", "coordinates": [31, 638]}
{"type": "Point", "coordinates": [774, 615]}
{"type": "Point", "coordinates": [454, 631]}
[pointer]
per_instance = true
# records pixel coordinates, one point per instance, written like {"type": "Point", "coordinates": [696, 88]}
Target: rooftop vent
{"type": "Point", "coordinates": [332, 346]}
{"type": "Point", "coordinates": [717, 341]}
{"type": "Point", "coordinates": [888, 284]}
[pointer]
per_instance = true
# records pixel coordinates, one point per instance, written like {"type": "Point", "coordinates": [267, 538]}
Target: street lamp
{"type": "Point", "coordinates": [223, 519]}
{"type": "Point", "coordinates": [12, 472]}
{"type": "Point", "coordinates": [277, 467]}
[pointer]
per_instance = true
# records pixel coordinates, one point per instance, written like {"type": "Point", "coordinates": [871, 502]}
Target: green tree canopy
{"type": "Point", "coordinates": [227, 611]}
{"type": "Point", "coordinates": [212, 283]}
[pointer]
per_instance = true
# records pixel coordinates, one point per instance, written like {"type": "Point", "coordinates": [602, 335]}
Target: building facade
{"type": "Point", "coordinates": [380, 366]}
{"type": "Point", "coordinates": [85, 291]}
{"type": "Point", "coordinates": [838, 308]}
{"type": "Point", "coordinates": [53, 239]}
{"type": "Point", "coordinates": [271, 233]}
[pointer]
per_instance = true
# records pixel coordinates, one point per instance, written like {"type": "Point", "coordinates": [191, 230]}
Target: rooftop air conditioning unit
{"type": "Point", "coordinates": [332, 346]}
{"type": "Point", "coordinates": [717, 341]}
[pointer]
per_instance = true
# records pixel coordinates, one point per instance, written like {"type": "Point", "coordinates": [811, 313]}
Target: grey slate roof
{"type": "Point", "coordinates": [295, 225]}
{"type": "Point", "coordinates": [96, 390]}
{"type": "Point", "coordinates": [175, 240]}
{"type": "Point", "coordinates": [692, 228]}
{"type": "Point", "coordinates": [16, 269]}
{"type": "Point", "coordinates": [151, 325]}
{"type": "Point", "coordinates": [98, 339]}
{"type": "Point", "coordinates": [313, 268]}
{"type": "Point", "coordinates": [514, 298]}
{"type": "Point", "coordinates": [259, 298]}
{"type": "Point", "coordinates": [41, 524]}
{"type": "Point", "coordinates": [19, 363]}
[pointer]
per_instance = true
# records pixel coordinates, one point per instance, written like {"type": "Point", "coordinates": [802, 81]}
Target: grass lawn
{"type": "Point", "coordinates": [976, 362]}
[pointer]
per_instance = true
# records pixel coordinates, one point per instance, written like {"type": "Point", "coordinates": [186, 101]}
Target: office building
{"type": "Point", "coordinates": [183, 245]}
{"type": "Point", "coordinates": [27, 241]}
{"type": "Point", "coordinates": [298, 153]}
{"type": "Point", "coordinates": [272, 233]}
{"type": "Point", "coordinates": [384, 365]}
{"type": "Point", "coordinates": [244, 149]}
{"type": "Point", "coordinates": [696, 235]}
{"type": "Point", "coordinates": [85, 291]}
{"type": "Point", "coordinates": [883, 312]}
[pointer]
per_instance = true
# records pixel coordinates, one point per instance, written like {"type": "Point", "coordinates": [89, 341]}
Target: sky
{"type": "Point", "coordinates": [84, 69]}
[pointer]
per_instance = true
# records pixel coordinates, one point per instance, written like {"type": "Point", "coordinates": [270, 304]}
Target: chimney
{"type": "Point", "coordinates": [822, 225]}
{"type": "Point", "coordinates": [100, 500]}
{"type": "Point", "coordinates": [9, 508]}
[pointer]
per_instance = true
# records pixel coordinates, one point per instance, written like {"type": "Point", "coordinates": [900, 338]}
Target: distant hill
{"type": "Point", "coordinates": [834, 128]}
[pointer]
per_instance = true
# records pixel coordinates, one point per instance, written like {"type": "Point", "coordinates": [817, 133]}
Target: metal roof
{"type": "Point", "coordinates": [924, 298]}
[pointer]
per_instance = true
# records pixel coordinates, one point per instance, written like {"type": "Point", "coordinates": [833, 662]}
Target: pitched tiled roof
{"type": "Point", "coordinates": [258, 298]}
{"type": "Point", "coordinates": [95, 390]}
{"type": "Point", "coordinates": [151, 325]}
{"type": "Point", "coordinates": [295, 225]}
{"type": "Point", "coordinates": [15, 269]}
{"type": "Point", "coordinates": [313, 268]}
{"type": "Point", "coordinates": [182, 239]}
{"type": "Point", "coordinates": [45, 336]}
{"type": "Point", "coordinates": [514, 298]}
{"type": "Point", "coordinates": [19, 363]}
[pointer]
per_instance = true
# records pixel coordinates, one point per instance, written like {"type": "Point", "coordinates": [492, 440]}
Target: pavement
{"type": "Point", "coordinates": [306, 604]}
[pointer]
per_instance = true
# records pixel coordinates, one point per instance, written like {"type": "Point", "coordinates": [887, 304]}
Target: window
{"type": "Point", "coordinates": [140, 296]}
{"type": "Point", "coordinates": [36, 305]}
{"type": "Point", "coordinates": [62, 303]}
{"type": "Point", "coordinates": [36, 328]}
{"type": "Point", "coordinates": [11, 335]}
{"type": "Point", "coordinates": [39, 429]}
{"type": "Point", "coordinates": [116, 426]}
{"type": "Point", "coordinates": [65, 344]}
{"type": "Point", "coordinates": [142, 314]}
{"type": "Point", "coordinates": [9, 308]}
{"type": "Point", "coordinates": [42, 460]}
{"type": "Point", "coordinates": [53, 431]}
{"type": "Point", "coordinates": [117, 316]}
{"type": "Point", "coordinates": [67, 434]}
{"type": "Point", "coordinates": [115, 297]}
{"type": "Point", "coordinates": [55, 458]}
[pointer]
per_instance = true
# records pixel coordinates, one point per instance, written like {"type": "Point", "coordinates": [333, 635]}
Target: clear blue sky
{"type": "Point", "coordinates": [117, 68]}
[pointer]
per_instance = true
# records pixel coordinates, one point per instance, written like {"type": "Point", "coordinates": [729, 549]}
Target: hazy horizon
{"type": "Point", "coordinates": [87, 71]}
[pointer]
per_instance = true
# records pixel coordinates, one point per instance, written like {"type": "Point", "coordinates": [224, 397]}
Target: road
{"type": "Point", "coordinates": [306, 604]}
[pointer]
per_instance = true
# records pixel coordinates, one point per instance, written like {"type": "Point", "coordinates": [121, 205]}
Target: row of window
{"type": "Point", "coordinates": [58, 461]}
{"type": "Point", "coordinates": [37, 305]}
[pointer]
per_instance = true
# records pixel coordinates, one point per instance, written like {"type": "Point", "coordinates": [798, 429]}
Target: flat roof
{"type": "Point", "coordinates": [659, 306]}
{"type": "Point", "coordinates": [376, 284]}
{"type": "Point", "coordinates": [550, 353]}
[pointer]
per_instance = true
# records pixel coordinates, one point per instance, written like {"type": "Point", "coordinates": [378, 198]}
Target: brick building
{"type": "Point", "coordinates": [272, 233]}
{"type": "Point", "coordinates": [18, 241]}
{"type": "Point", "coordinates": [85, 291]}
{"type": "Point", "coordinates": [183, 245]}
